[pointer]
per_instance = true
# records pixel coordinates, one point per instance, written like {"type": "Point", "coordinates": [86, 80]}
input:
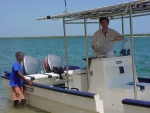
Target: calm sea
{"type": "Point", "coordinates": [40, 47]}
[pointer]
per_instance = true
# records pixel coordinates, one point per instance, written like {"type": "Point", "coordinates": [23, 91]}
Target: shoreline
{"type": "Point", "coordinates": [140, 36]}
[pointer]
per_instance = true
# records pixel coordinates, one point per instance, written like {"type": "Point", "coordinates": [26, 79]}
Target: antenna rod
{"type": "Point", "coordinates": [65, 6]}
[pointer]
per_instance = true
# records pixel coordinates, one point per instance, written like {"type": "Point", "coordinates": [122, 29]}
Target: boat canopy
{"type": "Point", "coordinates": [119, 11]}
{"type": "Point", "coordinates": [139, 8]}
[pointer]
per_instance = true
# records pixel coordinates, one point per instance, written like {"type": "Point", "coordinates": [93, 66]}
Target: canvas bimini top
{"type": "Point", "coordinates": [139, 8]}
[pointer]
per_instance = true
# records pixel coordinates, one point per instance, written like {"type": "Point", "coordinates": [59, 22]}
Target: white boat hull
{"type": "Point", "coordinates": [57, 101]}
{"type": "Point", "coordinates": [109, 85]}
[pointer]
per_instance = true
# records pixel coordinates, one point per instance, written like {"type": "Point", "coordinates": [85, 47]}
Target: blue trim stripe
{"type": "Point", "coordinates": [49, 76]}
{"type": "Point", "coordinates": [134, 102]}
{"type": "Point", "coordinates": [31, 77]}
{"type": "Point", "coordinates": [62, 90]}
{"type": "Point", "coordinates": [145, 80]}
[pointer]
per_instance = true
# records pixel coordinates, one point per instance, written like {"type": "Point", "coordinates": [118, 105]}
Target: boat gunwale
{"type": "Point", "coordinates": [134, 102]}
{"type": "Point", "coordinates": [59, 89]}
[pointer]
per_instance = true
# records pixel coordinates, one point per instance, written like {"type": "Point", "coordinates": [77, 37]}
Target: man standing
{"type": "Point", "coordinates": [103, 39]}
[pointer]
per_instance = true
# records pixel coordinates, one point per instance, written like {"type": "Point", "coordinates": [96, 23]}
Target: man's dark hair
{"type": "Point", "coordinates": [103, 18]}
{"type": "Point", "coordinates": [18, 54]}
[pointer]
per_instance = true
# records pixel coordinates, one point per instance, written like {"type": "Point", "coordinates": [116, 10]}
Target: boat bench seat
{"type": "Point", "coordinates": [42, 76]}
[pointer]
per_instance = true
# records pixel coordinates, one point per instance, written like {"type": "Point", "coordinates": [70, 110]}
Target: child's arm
{"type": "Point", "coordinates": [22, 77]}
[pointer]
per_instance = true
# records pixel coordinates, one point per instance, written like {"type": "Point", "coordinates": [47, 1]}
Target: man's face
{"type": "Point", "coordinates": [21, 57]}
{"type": "Point", "coordinates": [104, 24]}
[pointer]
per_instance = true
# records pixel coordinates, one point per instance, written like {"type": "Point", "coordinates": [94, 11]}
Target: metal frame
{"type": "Point", "coordinates": [120, 11]}
{"type": "Point", "coordinates": [138, 7]}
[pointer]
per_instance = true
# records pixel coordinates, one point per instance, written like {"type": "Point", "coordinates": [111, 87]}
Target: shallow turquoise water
{"type": "Point", "coordinates": [40, 47]}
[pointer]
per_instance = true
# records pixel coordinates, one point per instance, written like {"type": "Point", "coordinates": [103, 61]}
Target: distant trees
{"type": "Point", "coordinates": [148, 34]}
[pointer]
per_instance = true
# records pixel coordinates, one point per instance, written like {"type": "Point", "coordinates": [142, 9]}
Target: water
{"type": "Point", "coordinates": [40, 47]}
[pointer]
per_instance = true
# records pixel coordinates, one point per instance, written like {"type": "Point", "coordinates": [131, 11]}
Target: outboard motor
{"type": "Point", "coordinates": [30, 65]}
{"type": "Point", "coordinates": [46, 65]}
{"type": "Point", "coordinates": [59, 70]}
{"type": "Point", "coordinates": [53, 63]}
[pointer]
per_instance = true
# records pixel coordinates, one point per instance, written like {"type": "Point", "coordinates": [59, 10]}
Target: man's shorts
{"type": "Point", "coordinates": [17, 93]}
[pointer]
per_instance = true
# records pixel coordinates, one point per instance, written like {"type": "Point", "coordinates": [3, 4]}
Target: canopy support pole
{"type": "Point", "coordinates": [65, 48]}
{"type": "Point", "coordinates": [86, 42]}
{"type": "Point", "coordinates": [122, 20]}
{"type": "Point", "coordinates": [132, 51]}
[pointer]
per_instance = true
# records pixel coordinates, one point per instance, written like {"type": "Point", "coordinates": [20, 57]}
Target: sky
{"type": "Point", "coordinates": [18, 18]}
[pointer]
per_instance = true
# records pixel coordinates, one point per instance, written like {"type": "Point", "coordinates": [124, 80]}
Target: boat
{"type": "Point", "coordinates": [106, 85]}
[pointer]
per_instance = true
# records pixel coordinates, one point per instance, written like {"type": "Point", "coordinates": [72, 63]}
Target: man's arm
{"type": "Point", "coordinates": [118, 38]}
